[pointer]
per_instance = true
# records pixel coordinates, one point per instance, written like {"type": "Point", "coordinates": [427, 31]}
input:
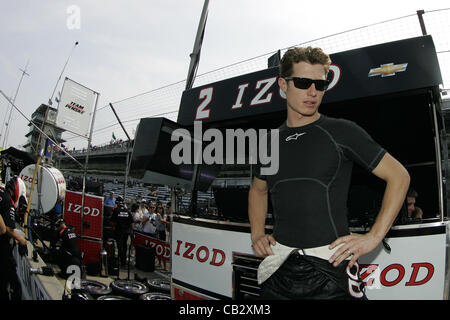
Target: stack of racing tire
{"type": "Point", "coordinates": [153, 289]}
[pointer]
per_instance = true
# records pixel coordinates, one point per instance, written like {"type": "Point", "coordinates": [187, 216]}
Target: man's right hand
{"type": "Point", "coordinates": [261, 245]}
{"type": "Point", "coordinates": [22, 241]}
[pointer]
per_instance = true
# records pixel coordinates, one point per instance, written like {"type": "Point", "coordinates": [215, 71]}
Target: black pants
{"type": "Point", "coordinates": [161, 235]}
{"type": "Point", "coordinates": [122, 240]}
{"type": "Point", "coordinates": [8, 276]}
{"type": "Point", "coordinates": [306, 277]}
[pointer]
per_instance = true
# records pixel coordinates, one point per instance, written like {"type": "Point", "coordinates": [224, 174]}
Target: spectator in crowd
{"type": "Point", "coordinates": [414, 212]}
{"type": "Point", "coordinates": [139, 214]}
{"type": "Point", "coordinates": [168, 215]}
{"type": "Point", "coordinates": [135, 213]}
{"type": "Point", "coordinates": [110, 203]}
{"type": "Point", "coordinates": [161, 221]}
{"type": "Point", "coordinates": [137, 223]}
{"type": "Point", "coordinates": [149, 221]}
{"type": "Point", "coordinates": [153, 191]}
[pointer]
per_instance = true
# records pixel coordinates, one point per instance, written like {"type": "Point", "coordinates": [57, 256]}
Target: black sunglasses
{"type": "Point", "coordinates": [305, 83]}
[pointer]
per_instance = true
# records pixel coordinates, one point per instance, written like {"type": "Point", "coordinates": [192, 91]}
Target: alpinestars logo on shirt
{"type": "Point", "coordinates": [295, 136]}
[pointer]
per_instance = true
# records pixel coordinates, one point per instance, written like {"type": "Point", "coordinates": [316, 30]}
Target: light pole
{"type": "Point", "coordinates": [7, 124]}
{"type": "Point", "coordinates": [50, 101]}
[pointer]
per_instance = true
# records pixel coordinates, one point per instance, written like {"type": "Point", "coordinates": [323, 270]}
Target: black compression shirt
{"type": "Point", "coordinates": [69, 242]}
{"type": "Point", "coordinates": [309, 191]}
{"type": "Point", "coordinates": [123, 219]}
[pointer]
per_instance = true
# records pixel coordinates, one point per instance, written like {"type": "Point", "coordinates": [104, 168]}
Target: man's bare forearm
{"type": "Point", "coordinates": [394, 196]}
{"type": "Point", "coordinates": [13, 234]}
{"type": "Point", "coordinates": [257, 211]}
{"type": "Point", "coordinates": [356, 245]}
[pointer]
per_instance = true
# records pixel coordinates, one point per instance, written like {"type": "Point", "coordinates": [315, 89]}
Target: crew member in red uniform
{"type": "Point", "coordinates": [69, 253]}
{"type": "Point", "coordinates": [9, 201]}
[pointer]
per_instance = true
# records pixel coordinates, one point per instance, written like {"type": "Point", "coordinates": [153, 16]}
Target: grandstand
{"type": "Point", "coordinates": [156, 193]}
{"type": "Point", "coordinates": [149, 192]}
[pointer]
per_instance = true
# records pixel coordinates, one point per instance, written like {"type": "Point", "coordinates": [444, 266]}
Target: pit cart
{"type": "Point", "coordinates": [392, 91]}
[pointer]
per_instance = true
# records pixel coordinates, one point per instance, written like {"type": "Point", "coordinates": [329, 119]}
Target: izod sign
{"type": "Point", "coordinates": [92, 213]}
{"type": "Point", "coordinates": [201, 253]}
{"type": "Point", "coordinates": [202, 256]}
{"type": "Point", "coordinates": [162, 248]}
{"type": "Point", "coordinates": [76, 208]}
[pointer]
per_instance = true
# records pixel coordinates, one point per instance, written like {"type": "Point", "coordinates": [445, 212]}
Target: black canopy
{"type": "Point", "coordinates": [16, 159]}
{"type": "Point", "coordinates": [377, 70]}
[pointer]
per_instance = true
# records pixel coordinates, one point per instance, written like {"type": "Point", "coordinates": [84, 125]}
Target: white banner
{"type": "Point", "coordinates": [75, 107]}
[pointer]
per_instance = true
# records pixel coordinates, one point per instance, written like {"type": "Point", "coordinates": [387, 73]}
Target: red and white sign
{"type": "Point", "coordinates": [202, 256]}
{"type": "Point", "coordinates": [92, 213]}
{"type": "Point", "coordinates": [415, 269]}
{"type": "Point", "coordinates": [162, 248]}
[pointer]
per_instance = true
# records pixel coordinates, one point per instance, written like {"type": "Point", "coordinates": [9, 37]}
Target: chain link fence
{"type": "Point", "coordinates": [164, 102]}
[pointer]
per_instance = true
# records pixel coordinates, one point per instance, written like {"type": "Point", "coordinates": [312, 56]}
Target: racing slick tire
{"type": "Point", "coordinates": [78, 295]}
{"type": "Point", "coordinates": [95, 288]}
{"type": "Point", "coordinates": [159, 285]}
{"type": "Point", "coordinates": [111, 297]}
{"type": "Point", "coordinates": [155, 296]}
{"type": "Point", "coordinates": [128, 288]}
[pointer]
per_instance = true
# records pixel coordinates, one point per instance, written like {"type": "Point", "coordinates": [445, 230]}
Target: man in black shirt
{"type": "Point", "coordinates": [9, 201]}
{"type": "Point", "coordinates": [311, 253]}
{"type": "Point", "coordinates": [123, 220]}
{"type": "Point", "coordinates": [69, 253]}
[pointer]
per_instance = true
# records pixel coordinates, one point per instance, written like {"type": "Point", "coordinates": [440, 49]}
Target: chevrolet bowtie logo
{"type": "Point", "coordinates": [387, 70]}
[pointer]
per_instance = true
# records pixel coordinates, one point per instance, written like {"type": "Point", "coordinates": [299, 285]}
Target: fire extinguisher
{"type": "Point", "coordinates": [104, 263]}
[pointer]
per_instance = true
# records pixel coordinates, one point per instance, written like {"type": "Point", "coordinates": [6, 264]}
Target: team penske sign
{"type": "Point", "coordinates": [75, 107]}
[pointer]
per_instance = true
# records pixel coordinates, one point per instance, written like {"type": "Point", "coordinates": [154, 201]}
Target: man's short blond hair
{"type": "Point", "coordinates": [309, 54]}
